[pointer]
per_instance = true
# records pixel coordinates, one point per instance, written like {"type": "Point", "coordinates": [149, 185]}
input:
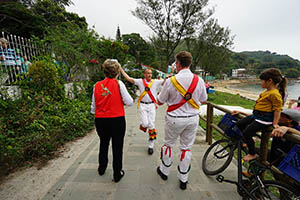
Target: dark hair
{"type": "Point", "coordinates": [275, 75]}
{"type": "Point", "coordinates": [184, 58]}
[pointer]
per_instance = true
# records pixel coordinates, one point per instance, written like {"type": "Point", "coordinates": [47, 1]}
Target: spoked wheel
{"type": "Point", "coordinates": [217, 157]}
{"type": "Point", "coordinates": [274, 190]}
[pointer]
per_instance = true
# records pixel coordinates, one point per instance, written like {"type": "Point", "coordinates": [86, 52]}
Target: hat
{"type": "Point", "coordinates": [293, 114]}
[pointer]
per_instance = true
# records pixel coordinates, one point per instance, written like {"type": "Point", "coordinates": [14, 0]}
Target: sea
{"type": "Point", "coordinates": [293, 88]}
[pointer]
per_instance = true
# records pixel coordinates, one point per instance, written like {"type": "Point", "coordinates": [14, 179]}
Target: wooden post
{"type": "Point", "coordinates": [264, 144]}
{"type": "Point", "coordinates": [209, 121]}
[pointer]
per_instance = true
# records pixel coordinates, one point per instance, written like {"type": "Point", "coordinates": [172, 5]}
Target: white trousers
{"type": "Point", "coordinates": [147, 115]}
{"type": "Point", "coordinates": [186, 129]}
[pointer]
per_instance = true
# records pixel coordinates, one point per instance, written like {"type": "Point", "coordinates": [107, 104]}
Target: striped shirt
{"type": "Point", "coordinates": [10, 57]}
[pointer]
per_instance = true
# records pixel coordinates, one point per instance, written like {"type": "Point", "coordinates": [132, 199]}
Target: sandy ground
{"type": "Point", "coordinates": [224, 86]}
{"type": "Point", "coordinates": [33, 183]}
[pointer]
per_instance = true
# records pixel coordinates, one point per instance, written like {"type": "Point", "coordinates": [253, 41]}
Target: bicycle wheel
{"type": "Point", "coordinates": [217, 157]}
{"type": "Point", "coordinates": [274, 190]}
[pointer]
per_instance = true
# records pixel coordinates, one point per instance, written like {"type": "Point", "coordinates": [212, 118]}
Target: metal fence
{"type": "Point", "coordinates": [15, 57]}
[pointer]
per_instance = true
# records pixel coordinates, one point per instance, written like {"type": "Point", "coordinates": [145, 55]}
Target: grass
{"type": "Point", "coordinates": [223, 98]}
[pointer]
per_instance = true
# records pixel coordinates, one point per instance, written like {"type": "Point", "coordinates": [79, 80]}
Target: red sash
{"type": "Point", "coordinates": [147, 89]}
{"type": "Point", "coordinates": [187, 96]}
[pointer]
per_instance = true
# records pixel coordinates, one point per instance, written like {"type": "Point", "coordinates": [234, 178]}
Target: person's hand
{"type": "Point", "coordinates": [235, 112]}
{"type": "Point", "coordinates": [169, 75]}
{"type": "Point", "coordinates": [280, 131]}
{"type": "Point", "coordinates": [203, 102]}
{"type": "Point", "coordinates": [1, 57]}
{"type": "Point", "coordinates": [276, 126]}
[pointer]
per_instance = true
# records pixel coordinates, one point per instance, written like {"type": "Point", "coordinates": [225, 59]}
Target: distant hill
{"type": "Point", "coordinates": [257, 61]}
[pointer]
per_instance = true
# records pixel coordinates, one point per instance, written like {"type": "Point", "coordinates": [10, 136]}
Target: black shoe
{"type": "Point", "coordinates": [101, 170]}
{"type": "Point", "coordinates": [150, 151]}
{"type": "Point", "coordinates": [182, 185]}
{"type": "Point", "coordinates": [119, 177]}
{"type": "Point", "coordinates": [162, 176]}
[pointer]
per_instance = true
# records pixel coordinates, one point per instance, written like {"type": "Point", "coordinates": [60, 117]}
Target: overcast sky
{"type": "Point", "coordinates": [272, 25]}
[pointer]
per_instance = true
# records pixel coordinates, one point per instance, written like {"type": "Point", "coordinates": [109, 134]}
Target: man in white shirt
{"type": "Point", "coordinates": [183, 93]}
{"type": "Point", "coordinates": [147, 103]}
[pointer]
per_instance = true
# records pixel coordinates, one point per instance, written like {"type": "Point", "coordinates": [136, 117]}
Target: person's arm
{"type": "Point", "coordinates": [168, 76]}
{"type": "Point", "coordinates": [163, 95]}
{"type": "Point", "coordinates": [128, 78]}
{"type": "Point", "coordinates": [93, 105]}
{"type": "Point", "coordinates": [236, 112]}
{"type": "Point", "coordinates": [276, 119]}
{"type": "Point", "coordinates": [127, 99]}
{"type": "Point", "coordinates": [203, 94]}
{"type": "Point", "coordinates": [282, 130]}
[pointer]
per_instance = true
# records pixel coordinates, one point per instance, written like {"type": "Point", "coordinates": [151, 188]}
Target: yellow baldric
{"type": "Point", "coordinates": [183, 91]}
{"type": "Point", "coordinates": [144, 93]}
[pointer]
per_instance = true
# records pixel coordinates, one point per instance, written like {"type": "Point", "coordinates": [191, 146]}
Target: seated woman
{"type": "Point", "coordinates": [292, 101]}
{"type": "Point", "coordinates": [109, 97]}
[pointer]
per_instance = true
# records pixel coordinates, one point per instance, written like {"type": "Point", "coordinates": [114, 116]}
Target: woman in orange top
{"type": "Point", "coordinates": [109, 97]}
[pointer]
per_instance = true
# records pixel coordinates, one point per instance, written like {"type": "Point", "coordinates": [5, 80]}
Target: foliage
{"type": "Point", "coordinates": [172, 21]}
{"type": "Point", "coordinates": [34, 126]}
{"type": "Point", "coordinates": [141, 50]}
{"type": "Point", "coordinates": [45, 78]}
{"type": "Point", "coordinates": [16, 18]}
{"type": "Point", "coordinates": [118, 34]}
{"type": "Point", "coordinates": [76, 47]}
{"type": "Point", "coordinates": [210, 48]}
{"type": "Point", "coordinates": [256, 61]}
{"type": "Point", "coordinates": [292, 73]}
{"type": "Point", "coordinates": [27, 18]}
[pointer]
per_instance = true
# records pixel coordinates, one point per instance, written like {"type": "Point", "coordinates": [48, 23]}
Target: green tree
{"type": "Point", "coordinates": [292, 73]}
{"type": "Point", "coordinates": [15, 18]}
{"type": "Point", "coordinates": [140, 49]}
{"type": "Point", "coordinates": [76, 47]}
{"type": "Point", "coordinates": [118, 35]}
{"type": "Point", "coordinates": [210, 47]}
{"type": "Point", "coordinates": [27, 18]}
{"type": "Point", "coordinates": [172, 20]}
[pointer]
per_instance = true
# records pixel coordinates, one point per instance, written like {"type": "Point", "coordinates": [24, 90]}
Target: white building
{"type": "Point", "coordinates": [238, 73]}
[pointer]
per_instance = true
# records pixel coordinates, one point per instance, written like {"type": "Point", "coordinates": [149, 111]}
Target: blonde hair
{"type": "Point", "coordinates": [3, 41]}
{"type": "Point", "coordinates": [111, 68]}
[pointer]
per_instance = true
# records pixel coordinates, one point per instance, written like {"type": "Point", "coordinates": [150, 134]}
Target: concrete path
{"type": "Point", "coordinates": [81, 181]}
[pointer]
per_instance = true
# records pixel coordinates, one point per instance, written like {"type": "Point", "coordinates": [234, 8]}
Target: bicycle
{"type": "Point", "coordinates": [255, 187]}
{"type": "Point", "coordinates": [252, 188]}
{"type": "Point", "coordinates": [219, 155]}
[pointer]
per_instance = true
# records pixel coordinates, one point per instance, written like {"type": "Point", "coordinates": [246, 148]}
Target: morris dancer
{"type": "Point", "coordinates": [147, 103]}
{"type": "Point", "coordinates": [183, 93]}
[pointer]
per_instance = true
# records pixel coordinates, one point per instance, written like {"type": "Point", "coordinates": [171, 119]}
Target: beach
{"type": "Point", "coordinates": [225, 86]}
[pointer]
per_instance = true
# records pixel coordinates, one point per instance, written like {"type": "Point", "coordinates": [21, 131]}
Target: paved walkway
{"type": "Point", "coordinates": [82, 182]}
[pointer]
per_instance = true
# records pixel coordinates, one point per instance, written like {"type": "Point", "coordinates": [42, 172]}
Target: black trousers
{"type": "Point", "coordinates": [111, 128]}
{"type": "Point", "coordinates": [249, 127]}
